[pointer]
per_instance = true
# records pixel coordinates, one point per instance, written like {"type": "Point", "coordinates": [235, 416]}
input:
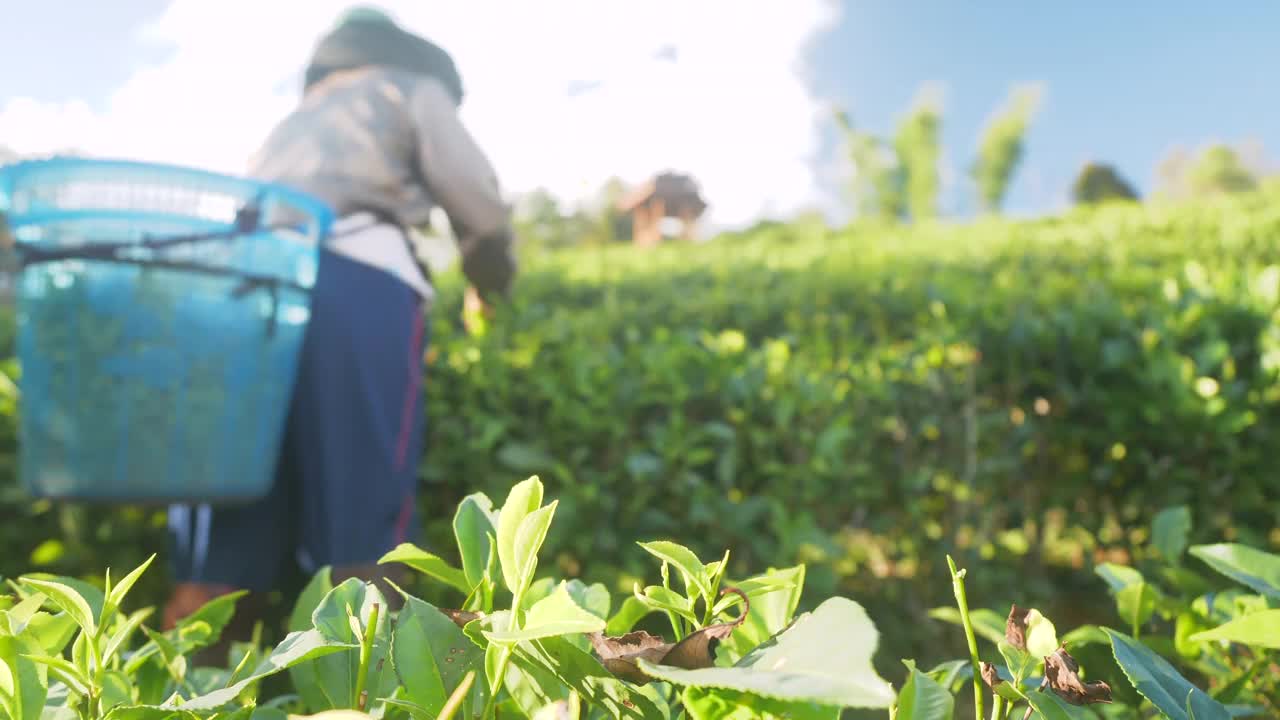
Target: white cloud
{"type": "Point", "coordinates": [733, 108]}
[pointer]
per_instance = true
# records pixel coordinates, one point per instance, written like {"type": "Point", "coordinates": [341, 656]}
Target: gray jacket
{"type": "Point", "coordinates": [382, 139]}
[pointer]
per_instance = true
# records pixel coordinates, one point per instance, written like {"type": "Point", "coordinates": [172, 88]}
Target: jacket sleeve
{"type": "Point", "coordinates": [461, 179]}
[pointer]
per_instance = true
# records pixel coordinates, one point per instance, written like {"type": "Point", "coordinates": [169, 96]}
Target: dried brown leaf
{"type": "Point", "coordinates": [1015, 629]}
{"type": "Point", "coordinates": [462, 617]}
{"type": "Point", "coordinates": [990, 676]}
{"type": "Point", "coordinates": [620, 655]}
{"type": "Point", "coordinates": [1062, 675]}
{"type": "Point", "coordinates": [698, 650]}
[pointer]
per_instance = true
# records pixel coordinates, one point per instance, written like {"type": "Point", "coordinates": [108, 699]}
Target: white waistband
{"type": "Point", "coordinates": [362, 238]}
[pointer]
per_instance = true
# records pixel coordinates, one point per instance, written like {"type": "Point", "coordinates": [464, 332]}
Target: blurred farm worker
{"type": "Point", "coordinates": [377, 136]}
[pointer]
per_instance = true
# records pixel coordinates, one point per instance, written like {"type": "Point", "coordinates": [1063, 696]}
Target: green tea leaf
{"type": "Point", "coordinates": [69, 601]}
{"type": "Point", "coordinates": [1136, 603]}
{"type": "Point", "coordinates": [554, 663]}
{"type": "Point", "coordinates": [715, 704]}
{"type": "Point", "coordinates": [1020, 662]}
{"type": "Point", "coordinates": [320, 585]}
{"type": "Point", "coordinates": [1160, 683]}
{"type": "Point", "coordinates": [1051, 707]}
{"type": "Point", "coordinates": [682, 558]}
{"type": "Point", "coordinates": [1086, 634]}
{"type": "Point", "coordinates": [774, 597]}
{"type": "Point", "coordinates": [91, 594]}
{"type": "Point", "coordinates": [524, 498]}
{"type": "Point", "coordinates": [116, 597]}
{"type": "Point", "coordinates": [63, 670]}
{"type": "Point", "coordinates": [1010, 692]}
{"type": "Point", "coordinates": [631, 612]}
{"type": "Point", "coordinates": [416, 711]}
{"type": "Point", "coordinates": [557, 614]}
{"type": "Point", "coordinates": [216, 613]}
{"type": "Point", "coordinates": [51, 632]}
{"type": "Point", "coordinates": [428, 564]}
{"type": "Point", "coordinates": [174, 660]}
{"type": "Point", "coordinates": [430, 654]}
{"type": "Point", "coordinates": [1261, 629]}
{"type": "Point", "coordinates": [947, 674]}
{"type": "Point", "coordinates": [1170, 530]}
{"type": "Point", "coordinates": [473, 522]}
{"type": "Point", "coordinates": [922, 698]}
{"type": "Point", "coordinates": [1118, 577]}
{"type": "Point", "coordinates": [1248, 566]}
{"type": "Point", "coordinates": [593, 598]}
{"type": "Point", "coordinates": [824, 657]}
{"type": "Point", "coordinates": [331, 616]}
{"type": "Point", "coordinates": [151, 712]}
{"type": "Point", "coordinates": [21, 614]}
{"type": "Point", "coordinates": [528, 541]}
{"type": "Point", "coordinates": [656, 597]}
{"type": "Point", "coordinates": [124, 632]}
{"type": "Point", "coordinates": [1042, 636]}
{"type": "Point", "coordinates": [297, 648]}
{"type": "Point", "coordinates": [23, 688]}
{"type": "Point", "coordinates": [116, 690]}
{"type": "Point", "coordinates": [336, 673]}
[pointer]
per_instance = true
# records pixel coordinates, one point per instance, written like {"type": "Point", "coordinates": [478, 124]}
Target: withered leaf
{"type": "Point", "coordinates": [990, 676]}
{"type": "Point", "coordinates": [619, 655]}
{"type": "Point", "coordinates": [1015, 629]}
{"type": "Point", "coordinates": [461, 617]}
{"type": "Point", "coordinates": [1062, 675]}
{"type": "Point", "coordinates": [698, 650]}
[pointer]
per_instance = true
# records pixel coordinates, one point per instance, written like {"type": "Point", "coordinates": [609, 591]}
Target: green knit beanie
{"type": "Point", "coordinates": [364, 13]}
{"type": "Point", "coordinates": [366, 35]}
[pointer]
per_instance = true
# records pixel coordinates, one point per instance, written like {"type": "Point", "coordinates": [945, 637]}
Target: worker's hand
{"type": "Point", "coordinates": [476, 313]}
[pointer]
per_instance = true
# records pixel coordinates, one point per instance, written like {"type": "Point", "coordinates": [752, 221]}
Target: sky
{"type": "Point", "coordinates": [563, 94]}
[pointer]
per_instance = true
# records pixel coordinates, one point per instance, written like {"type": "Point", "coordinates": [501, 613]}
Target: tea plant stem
{"type": "Point", "coordinates": [957, 583]}
{"type": "Point", "coordinates": [491, 704]}
{"type": "Point", "coordinates": [997, 708]}
{"type": "Point", "coordinates": [505, 658]}
{"type": "Point", "coordinates": [366, 654]}
{"type": "Point", "coordinates": [459, 694]}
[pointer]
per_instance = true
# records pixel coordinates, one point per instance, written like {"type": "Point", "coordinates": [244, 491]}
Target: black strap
{"type": "Point", "coordinates": [248, 220]}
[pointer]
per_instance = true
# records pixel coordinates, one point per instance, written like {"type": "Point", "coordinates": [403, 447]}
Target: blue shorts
{"type": "Point", "coordinates": [345, 485]}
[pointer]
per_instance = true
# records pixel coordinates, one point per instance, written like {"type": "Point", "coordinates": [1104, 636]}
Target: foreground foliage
{"type": "Point", "coordinates": [521, 645]}
{"type": "Point", "coordinates": [1021, 395]}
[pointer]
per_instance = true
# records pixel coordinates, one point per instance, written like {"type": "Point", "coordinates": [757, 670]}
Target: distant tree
{"type": "Point", "coordinates": [609, 224]}
{"type": "Point", "coordinates": [919, 149]}
{"type": "Point", "coordinates": [1099, 183]}
{"type": "Point", "coordinates": [877, 186]}
{"type": "Point", "coordinates": [1001, 147]}
{"type": "Point", "coordinates": [539, 221]}
{"type": "Point", "coordinates": [1217, 169]}
{"type": "Point", "coordinates": [1171, 175]}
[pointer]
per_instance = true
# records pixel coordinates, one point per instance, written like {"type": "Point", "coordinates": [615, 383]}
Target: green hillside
{"type": "Point", "coordinates": [1025, 395]}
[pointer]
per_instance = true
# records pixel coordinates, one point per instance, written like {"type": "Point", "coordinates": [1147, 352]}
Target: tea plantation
{"type": "Point", "coordinates": [1023, 395]}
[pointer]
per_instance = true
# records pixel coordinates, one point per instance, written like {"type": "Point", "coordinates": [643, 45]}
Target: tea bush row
{"type": "Point", "coordinates": [863, 401]}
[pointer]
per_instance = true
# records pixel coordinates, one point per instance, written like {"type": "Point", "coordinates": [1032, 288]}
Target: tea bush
{"type": "Point", "coordinates": [1020, 394]}
{"type": "Point", "coordinates": [523, 642]}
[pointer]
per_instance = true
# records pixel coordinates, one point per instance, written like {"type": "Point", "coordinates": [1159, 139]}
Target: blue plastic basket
{"type": "Point", "coordinates": [156, 370]}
